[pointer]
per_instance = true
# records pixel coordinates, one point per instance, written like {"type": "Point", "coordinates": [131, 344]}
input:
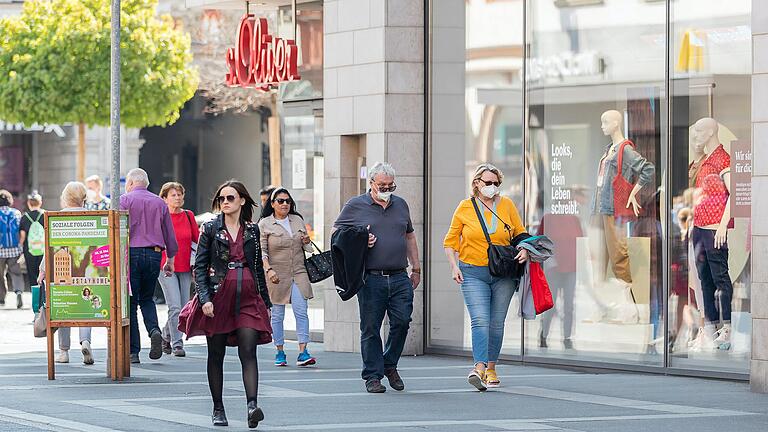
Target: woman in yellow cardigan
{"type": "Point", "coordinates": [486, 297]}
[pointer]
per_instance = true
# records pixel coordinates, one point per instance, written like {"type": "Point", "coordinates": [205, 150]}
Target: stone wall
{"type": "Point", "coordinates": [759, 366]}
{"type": "Point", "coordinates": [374, 109]}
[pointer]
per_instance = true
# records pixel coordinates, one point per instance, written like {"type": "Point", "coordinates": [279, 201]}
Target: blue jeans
{"type": "Point", "coordinates": [380, 294]}
{"type": "Point", "coordinates": [145, 268]}
{"type": "Point", "coordinates": [299, 306]}
{"type": "Point", "coordinates": [487, 299]}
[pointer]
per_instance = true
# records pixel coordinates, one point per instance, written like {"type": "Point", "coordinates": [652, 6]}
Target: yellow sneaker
{"type": "Point", "coordinates": [475, 378]}
{"type": "Point", "coordinates": [491, 379]}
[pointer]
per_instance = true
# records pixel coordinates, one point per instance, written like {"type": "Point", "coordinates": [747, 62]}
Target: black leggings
{"type": "Point", "coordinates": [246, 350]}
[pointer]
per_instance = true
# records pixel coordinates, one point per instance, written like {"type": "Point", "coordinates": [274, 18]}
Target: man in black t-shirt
{"type": "Point", "coordinates": [34, 215]}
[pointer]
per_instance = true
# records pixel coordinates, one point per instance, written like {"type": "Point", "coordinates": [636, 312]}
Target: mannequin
{"type": "Point", "coordinates": [711, 220]}
{"type": "Point", "coordinates": [611, 229]}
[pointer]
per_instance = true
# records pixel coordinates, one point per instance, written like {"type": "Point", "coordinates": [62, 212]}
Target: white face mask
{"type": "Point", "coordinates": [384, 196]}
{"type": "Point", "coordinates": [489, 191]}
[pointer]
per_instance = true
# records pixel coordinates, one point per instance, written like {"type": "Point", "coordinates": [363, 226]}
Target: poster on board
{"type": "Point", "coordinates": [79, 254]}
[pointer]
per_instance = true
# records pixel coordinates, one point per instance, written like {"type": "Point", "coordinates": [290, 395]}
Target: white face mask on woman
{"type": "Point", "coordinates": [489, 191]}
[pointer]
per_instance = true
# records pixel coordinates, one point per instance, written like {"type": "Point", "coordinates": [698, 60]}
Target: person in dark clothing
{"type": "Point", "coordinates": [388, 288]}
{"type": "Point", "coordinates": [34, 256]}
{"type": "Point", "coordinates": [232, 292]}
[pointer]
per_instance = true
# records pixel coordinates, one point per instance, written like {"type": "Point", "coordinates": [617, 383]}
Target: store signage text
{"type": "Point", "coordinates": [260, 59]}
{"type": "Point", "coordinates": [564, 65]}
{"type": "Point", "coordinates": [44, 128]}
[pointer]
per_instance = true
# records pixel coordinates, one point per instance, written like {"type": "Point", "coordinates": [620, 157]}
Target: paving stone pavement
{"type": "Point", "coordinates": [172, 395]}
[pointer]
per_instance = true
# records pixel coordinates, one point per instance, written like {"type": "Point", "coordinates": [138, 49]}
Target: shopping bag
{"type": "Point", "coordinates": [542, 296]}
{"type": "Point", "coordinates": [40, 325]}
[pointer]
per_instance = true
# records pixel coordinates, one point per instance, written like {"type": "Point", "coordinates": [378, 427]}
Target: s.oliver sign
{"type": "Point", "coordinates": [259, 59]}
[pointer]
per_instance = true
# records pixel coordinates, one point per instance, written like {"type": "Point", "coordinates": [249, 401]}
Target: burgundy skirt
{"type": "Point", "coordinates": [253, 312]}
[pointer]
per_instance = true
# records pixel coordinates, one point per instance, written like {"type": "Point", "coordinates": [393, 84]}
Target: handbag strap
{"type": "Point", "coordinates": [482, 221]}
{"type": "Point", "coordinates": [621, 154]}
{"type": "Point", "coordinates": [189, 219]}
{"type": "Point", "coordinates": [507, 227]}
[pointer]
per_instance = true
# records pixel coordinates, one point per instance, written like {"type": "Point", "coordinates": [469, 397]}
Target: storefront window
{"type": "Point", "coordinates": [308, 34]}
{"type": "Point", "coordinates": [595, 124]}
{"type": "Point", "coordinates": [477, 116]}
{"type": "Point", "coordinates": [709, 303]}
{"type": "Point", "coordinates": [618, 160]}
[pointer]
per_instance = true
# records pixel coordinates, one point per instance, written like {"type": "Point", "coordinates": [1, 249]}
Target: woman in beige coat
{"type": "Point", "coordinates": [283, 242]}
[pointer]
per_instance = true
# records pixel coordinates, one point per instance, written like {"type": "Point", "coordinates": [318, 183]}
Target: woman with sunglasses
{"type": "Point", "coordinates": [230, 284]}
{"type": "Point", "coordinates": [283, 242]}
{"type": "Point", "coordinates": [487, 297]}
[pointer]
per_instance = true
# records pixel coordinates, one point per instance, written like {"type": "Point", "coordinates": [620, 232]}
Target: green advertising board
{"type": "Point", "coordinates": [78, 247]}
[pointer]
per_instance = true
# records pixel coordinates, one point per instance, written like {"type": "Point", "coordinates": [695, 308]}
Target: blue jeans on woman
{"type": "Point", "coordinates": [487, 298]}
{"type": "Point", "coordinates": [299, 306]}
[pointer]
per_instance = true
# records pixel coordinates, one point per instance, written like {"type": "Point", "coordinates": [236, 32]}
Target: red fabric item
{"type": "Point", "coordinates": [542, 296]}
{"type": "Point", "coordinates": [714, 194]}
{"type": "Point", "coordinates": [622, 188]}
{"type": "Point", "coordinates": [253, 312]}
{"type": "Point", "coordinates": [186, 230]}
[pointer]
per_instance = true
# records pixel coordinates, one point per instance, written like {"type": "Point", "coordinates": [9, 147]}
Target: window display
{"type": "Point", "coordinates": [614, 142]}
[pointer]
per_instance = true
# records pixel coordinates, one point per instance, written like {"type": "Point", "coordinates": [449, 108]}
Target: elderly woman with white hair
{"type": "Point", "coordinates": [72, 200]}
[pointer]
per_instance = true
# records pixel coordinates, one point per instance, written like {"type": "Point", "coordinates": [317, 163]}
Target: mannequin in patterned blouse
{"type": "Point", "coordinates": [711, 220]}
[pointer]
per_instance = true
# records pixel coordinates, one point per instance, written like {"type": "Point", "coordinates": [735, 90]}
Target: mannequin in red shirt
{"type": "Point", "coordinates": [711, 220]}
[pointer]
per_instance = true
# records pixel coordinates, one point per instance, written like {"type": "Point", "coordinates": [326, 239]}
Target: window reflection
{"type": "Point", "coordinates": [597, 89]}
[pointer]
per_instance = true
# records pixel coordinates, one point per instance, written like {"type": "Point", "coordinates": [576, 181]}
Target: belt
{"type": "Point", "coordinates": [239, 267]}
{"type": "Point", "coordinates": [154, 248]}
{"type": "Point", "coordinates": [386, 272]}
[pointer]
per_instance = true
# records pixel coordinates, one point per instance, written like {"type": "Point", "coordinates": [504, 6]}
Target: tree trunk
{"type": "Point", "coordinates": [81, 152]}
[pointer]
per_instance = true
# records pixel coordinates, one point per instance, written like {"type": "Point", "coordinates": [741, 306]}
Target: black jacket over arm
{"type": "Point", "coordinates": [213, 256]}
{"type": "Point", "coordinates": [349, 249]}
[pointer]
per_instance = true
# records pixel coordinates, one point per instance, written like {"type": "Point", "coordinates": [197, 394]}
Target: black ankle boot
{"type": "Point", "coordinates": [219, 417]}
{"type": "Point", "coordinates": [255, 414]}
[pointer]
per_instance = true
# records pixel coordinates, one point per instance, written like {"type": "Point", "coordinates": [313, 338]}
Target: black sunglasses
{"type": "Point", "coordinates": [229, 198]}
{"type": "Point", "coordinates": [283, 200]}
{"type": "Point", "coordinates": [488, 183]}
{"type": "Point", "coordinates": [391, 188]}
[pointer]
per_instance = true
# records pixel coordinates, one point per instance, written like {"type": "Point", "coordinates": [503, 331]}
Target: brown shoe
{"type": "Point", "coordinates": [394, 379]}
{"type": "Point", "coordinates": [374, 385]}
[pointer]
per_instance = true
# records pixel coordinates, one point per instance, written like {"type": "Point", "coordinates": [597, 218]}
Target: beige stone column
{"type": "Point", "coordinates": [759, 364]}
{"type": "Point", "coordinates": [373, 90]}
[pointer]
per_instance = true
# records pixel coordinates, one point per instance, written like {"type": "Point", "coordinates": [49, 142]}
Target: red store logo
{"type": "Point", "coordinates": [259, 59]}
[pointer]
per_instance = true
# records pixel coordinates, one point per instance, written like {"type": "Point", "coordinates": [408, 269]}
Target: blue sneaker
{"type": "Point", "coordinates": [280, 359]}
{"type": "Point", "coordinates": [305, 359]}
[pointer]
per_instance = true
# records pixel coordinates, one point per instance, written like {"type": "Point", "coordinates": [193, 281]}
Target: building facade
{"type": "Point", "coordinates": [437, 87]}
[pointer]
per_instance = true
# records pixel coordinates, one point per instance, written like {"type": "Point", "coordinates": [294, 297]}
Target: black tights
{"type": "Point", "coordinates": [246, 350]}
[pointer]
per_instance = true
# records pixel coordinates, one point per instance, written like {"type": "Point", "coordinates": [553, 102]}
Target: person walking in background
{"type": "Point", "coordinates": [265, 194]}
{"type": "Point", "coordinates": [10, 248]}
{"type": "Point", "coordinates": [72, 199]}
{"type": "Point", "coordinates": [32, 236]}
{"type": "Point", "coordinates": [150, 233]}
{"type": "Point", "coordinates": [387, 288]}
{"type": "Point", "coordinates": [486, 297]}
{"type": "Point", "coordinates": [232, 292]}
{"type": "Point", "coordinates": [283, 242]}
{"type": "Point", "coordinates": [176, 286]}
{"type": "Point", "coordinates": [96, 201]}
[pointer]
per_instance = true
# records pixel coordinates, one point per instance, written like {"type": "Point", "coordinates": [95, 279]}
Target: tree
{"type": "Point", "coordinates": [55, 57]}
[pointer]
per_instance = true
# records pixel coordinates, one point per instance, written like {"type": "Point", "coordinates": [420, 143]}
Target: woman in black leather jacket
{"type": "Point", "coordinates": [232, 292]}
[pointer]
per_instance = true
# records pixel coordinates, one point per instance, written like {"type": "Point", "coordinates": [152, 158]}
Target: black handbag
{"type": "Point", "coordinates": [318, 265]}
{"type": "Point", "coordinates": [501, 258]}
